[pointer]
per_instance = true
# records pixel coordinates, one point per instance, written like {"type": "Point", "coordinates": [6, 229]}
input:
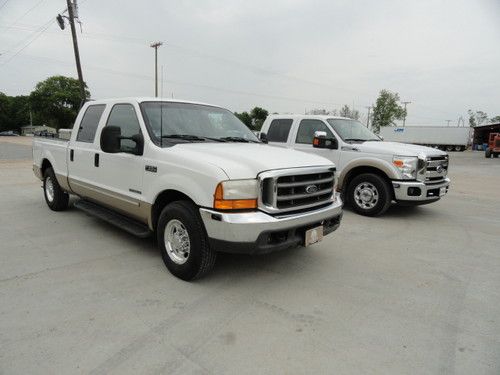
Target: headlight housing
{"type": "Point", "coordinates": [407, 166]}
{"type": "Point", "coordinates": [236, 195]}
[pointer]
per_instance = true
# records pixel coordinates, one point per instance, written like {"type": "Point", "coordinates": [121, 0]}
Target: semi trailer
{"type": "Point", "coordinates": [442, 137]}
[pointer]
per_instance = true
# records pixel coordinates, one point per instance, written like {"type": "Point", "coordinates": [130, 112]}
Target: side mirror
{"type": "Point", "coordinates": [321, 141]}
{"type": "Point", "coordinates": [263, 137]}
{"type": "Point", "coordinates": [139, 143]}
{"type": "Point", "coordinates": [110, 139]}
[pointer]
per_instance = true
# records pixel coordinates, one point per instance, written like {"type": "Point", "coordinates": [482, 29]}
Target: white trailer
{"type": "Point", "coordinates": [442, 137]}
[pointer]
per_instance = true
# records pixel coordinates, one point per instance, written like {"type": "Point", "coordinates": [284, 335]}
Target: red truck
{"type": "Point", "coordinates": [493, 148]}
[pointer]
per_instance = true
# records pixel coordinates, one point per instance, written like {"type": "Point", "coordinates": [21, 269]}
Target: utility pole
{"type": "Point", "coordinates": [368, 116]}
{"type": "Point", "coordinates": [404, 118]}
{"type": "Point", "coordinates": [71, 13]}
{"type": "Point", "coordinates": [155, 46]}
{"type": "Point", "coordinates": [448, 121]}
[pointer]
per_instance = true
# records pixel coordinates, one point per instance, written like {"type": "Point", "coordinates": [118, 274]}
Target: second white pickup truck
{"type": "Point", "coordinates": [191, 173]}
{"type": "Point", "coordinates": [372, 173]}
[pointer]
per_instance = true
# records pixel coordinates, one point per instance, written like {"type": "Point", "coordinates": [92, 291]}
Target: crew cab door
{"type": "Point", "coordinates": [81, 150]}
{"type": "Point", "coordinates": [303, 135]}
{"type": "Point", "coordinates": [121, 174]}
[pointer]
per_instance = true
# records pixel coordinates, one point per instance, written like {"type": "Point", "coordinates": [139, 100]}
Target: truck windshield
{"type": "Point", "coordinates": [352, 130]}
{"type": "Point", "coordinates": [185, 122]}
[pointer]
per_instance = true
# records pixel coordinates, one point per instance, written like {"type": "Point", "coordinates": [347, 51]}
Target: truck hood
{"type": "Point", "coordinates": [247, 160]}
{"type": "Point", "coordinates": [396, 148]}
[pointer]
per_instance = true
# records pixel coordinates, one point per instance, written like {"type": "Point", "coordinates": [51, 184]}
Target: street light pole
{"type": "Point", "coordinates": [155, 46]}
{"type": "Point", "coordinates": [368, 116]}
{"type": "Point", "coordinates": [404, 118]}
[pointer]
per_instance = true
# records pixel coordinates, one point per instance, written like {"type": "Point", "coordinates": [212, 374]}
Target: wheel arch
{"type": "Point", "coordinates": [45, 165]}
{"type": "Point", "coordinates": [356, 171]}
{"type": "Point", "coordinates": [161, 200]}
{"type": "Point", "coordinates": [359, 166]}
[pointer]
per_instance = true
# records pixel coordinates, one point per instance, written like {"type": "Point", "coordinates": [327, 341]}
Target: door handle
{"type": "Point", "coordinates": [96, 160]}
{"type": "Point", "coordinates": [71, 155]}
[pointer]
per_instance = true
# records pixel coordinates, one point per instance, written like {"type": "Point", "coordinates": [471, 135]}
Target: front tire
{"type": "Point", "coordinates": [183, 241]}
{"type": "Point", "coordinates": [487, 153]}
{"type": "Point", "coordinates": [57, 199]}
{"type": "Point", "coordinates": [495, 155]}
{"type": "Point", "coordinates": [369, 194]}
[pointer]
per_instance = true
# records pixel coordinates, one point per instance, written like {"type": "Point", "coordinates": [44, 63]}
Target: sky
{"type": "Point", "coordinates": [287, 56]}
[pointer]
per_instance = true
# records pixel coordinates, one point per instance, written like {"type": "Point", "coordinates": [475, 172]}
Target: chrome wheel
{"type": "Point", "coordinates": [177, 242]}
{"type": "Point", "coordinates": [49, 189]}
{"type": "Point", "coordinates": [366, 195]}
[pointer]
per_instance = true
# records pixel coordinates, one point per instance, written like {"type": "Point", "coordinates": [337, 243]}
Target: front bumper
{"type": "Point", "coordinates": [257, 232]}
{"type": "Point", "coordinates": [416, 191]}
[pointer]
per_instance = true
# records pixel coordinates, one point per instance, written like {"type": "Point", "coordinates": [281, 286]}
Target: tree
{"type": "Point", "coordinates": [56, 101]}
{"type": "Point", "coordinates": [322, 111]}
{"type": "Point", "coordinates": [477, 118]}
{"type": "Point", "coordinates": [495, 119]}
{"type": "Point", "coordinates": [245, 118]}
{"type": "Point", "coordinates": [258, 115]}
{"type": "Point", "coordinates": [345, 111]}
{"type": "Point", "coordinates": [14, 112]}
{"type": "Point", "coordinates": [387, 110]}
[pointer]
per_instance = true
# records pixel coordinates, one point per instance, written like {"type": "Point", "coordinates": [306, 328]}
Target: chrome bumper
{"type": "Point", "coordinates": [246, 227]}
{"type": "Point", "coordinates": [428, 192]}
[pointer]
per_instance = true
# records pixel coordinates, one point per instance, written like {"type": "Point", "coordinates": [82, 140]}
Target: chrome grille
{"type": "Point", "coordinates": [296, 189]}
{"type": "Point", "coordinates": [497, 143]}
{"type": "Point", "coordinates": [436, 168]}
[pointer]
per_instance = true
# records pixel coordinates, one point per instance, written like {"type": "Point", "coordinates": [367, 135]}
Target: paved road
{"type": "Point", "coordinates": [10, 151]}
{"type": "Point", "coordinates": [414, 292]}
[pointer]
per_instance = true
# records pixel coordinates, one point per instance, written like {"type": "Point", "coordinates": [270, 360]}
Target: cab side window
{"type": "Point", "coordinates": [89, 123]}
{"type": "Point", "coordinates": [305, 134]}
{"type": "Point", "coordinates": [124, 116]}
{"type": "Point", "coordinates": [278, 130]}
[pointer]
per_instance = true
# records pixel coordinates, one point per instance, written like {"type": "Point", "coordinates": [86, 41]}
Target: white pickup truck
{"type": "Point", "coordinates": [372, 173]}
{"type": "Point", "coordinates": [191, 173]}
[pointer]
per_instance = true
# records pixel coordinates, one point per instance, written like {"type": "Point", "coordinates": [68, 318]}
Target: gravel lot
{"type": "Point", "coordinates": [414, 292]}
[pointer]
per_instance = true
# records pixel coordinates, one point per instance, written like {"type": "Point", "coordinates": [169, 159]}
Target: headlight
{"type": "Point", "coordinates": [407, 165]}
{"type": "Point", "coordinates": [236, 195]}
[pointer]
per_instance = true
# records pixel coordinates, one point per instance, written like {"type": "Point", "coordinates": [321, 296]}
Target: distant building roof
{"type": "Point", "coordinates": [487, 125]}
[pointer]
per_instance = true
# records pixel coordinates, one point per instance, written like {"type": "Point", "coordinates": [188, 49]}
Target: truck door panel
{"type": "Point", "coordinates": [304, 135]}
{"type": "Point", "coordinates": [121, 174]}
{"type": "Point", "coordinates": [81, 149]}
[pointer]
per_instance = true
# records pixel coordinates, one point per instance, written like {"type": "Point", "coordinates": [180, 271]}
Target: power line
{"type": "Point", "coordinates": [24, 14]}
{"type": "Point", "coordinates": [41, 31]}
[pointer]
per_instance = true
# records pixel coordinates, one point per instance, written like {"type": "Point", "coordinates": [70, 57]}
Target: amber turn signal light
{"type": "Point", "coordinates": [231, 204]}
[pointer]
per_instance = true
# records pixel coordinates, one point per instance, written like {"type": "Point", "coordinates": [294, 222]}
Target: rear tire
{"type": "Point", "coordinates": [57, 199]}
{"type": "Point", "coordinates": [449, 148]}
{"type": "Point", "coordinates": [369, 194]}
{"type": "Point", "coordinates": [495, 155]}
{"type": "Point", "coordinates": [183, 241]}
{"type": "Point", "coordinates": [487, 153]}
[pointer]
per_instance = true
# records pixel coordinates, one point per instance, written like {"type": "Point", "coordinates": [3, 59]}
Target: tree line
{"type": "Point", "coordinates": [54, 102]}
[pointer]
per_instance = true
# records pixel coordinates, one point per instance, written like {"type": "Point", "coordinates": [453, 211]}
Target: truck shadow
{"type": "Point", "coordinates": [398, 211]}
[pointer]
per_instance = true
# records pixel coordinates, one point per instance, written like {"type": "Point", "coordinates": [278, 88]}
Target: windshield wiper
{"type": "Point", "coordinates": [190, 137]}
{"type": "Point", "coordinates": [236, 139]}
{"type": "Point", "coordinates": [355, 140]}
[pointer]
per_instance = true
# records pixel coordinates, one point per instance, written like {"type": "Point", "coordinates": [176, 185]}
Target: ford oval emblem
{"type": "Point", "coordinates": [311, 189]}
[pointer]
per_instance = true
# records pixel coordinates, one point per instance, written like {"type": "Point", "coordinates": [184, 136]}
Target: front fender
{"type": "Point", "coordinates": [198, 184]}
{"type": "Point", "coordinates": [382, 165]}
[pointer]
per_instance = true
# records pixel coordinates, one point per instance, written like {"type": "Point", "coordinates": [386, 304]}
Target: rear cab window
{"type": "Point", "coordinates": [279, 129]}
{"type": "Point", "coordinates": [89, 123]}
